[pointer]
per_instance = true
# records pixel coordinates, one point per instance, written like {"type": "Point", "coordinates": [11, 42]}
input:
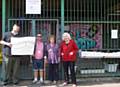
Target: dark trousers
{"type": "Point", "coordinates": [4, 68]}
{"type": "Point", "coordinates": [12, 68]}
{"type": "Point", "coordinates": [71, 66]}
{"type": "Point", "coordinates": [53, 72]}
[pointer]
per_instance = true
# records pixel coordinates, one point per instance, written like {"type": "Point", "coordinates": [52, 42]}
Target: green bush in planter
{"type": "Point", "coordinates": [0, 54]}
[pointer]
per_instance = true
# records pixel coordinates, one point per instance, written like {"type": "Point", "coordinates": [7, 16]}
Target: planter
{"type": "Point", "coordinates": [92, 71]}
{"type": "Point", "coordinates": [0, 54]}
{"type": "Point", "coordinates": [111, 67]}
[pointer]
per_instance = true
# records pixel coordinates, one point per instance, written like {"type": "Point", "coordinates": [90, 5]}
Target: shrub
{"type": "Point", "coordinates": [0, 54]}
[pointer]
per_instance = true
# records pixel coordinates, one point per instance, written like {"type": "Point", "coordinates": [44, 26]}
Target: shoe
{"type": "Point", "coordinates": [64, 84]}
{"type": "Point", "coordinates": [54, 82]}
{"type": "Point", "coordinates": [74, 85]}
{"type": "Point", "coordinates": [3, 83]}
{"type": "Point", "coordinates": [50, 82]}
{"type": "Point", "coordinates": [34, 81]}
{"type": "Point", "coordinates": [40, 82]}
{"type": "Point", "coordinates": [15, 82]}
{"type": "Point", "coordinates": [7, 82]}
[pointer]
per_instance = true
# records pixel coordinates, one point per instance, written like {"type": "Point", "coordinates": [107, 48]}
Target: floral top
{"type": "Point", "coordinates": [53, 53]}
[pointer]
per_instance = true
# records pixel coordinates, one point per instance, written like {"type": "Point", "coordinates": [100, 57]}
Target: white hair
{"type": "Point", "coordinates": [66, 35]}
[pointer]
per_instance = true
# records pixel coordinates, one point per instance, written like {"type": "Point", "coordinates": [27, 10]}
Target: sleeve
{"type": "Point", "coordinates": [61, 50]}
{"type": "Point", "coordinates": [45, 51]}
{"type": "Point", "coordinates": [34, 47]}
{"type": "Point", "coordinates": [75, 47]}
{"type": "Point", "coordinates": [58, 50]}
{"type": "Point", "coordinates": [4, 37]}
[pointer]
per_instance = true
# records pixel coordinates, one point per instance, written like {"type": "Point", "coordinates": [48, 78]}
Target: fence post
{"type": "Point", "coordinates": [33, 28]}
{"type": "Point", "coordinates": [3, 16]}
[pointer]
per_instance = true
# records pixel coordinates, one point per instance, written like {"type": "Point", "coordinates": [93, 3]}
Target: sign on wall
{"type": "Point", "coordinates": [114, 34]}
{"type": "Point", "coordinates": [33, 6]}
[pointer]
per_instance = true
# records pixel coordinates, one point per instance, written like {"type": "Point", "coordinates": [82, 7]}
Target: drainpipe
{"type": "Point", "coordinates": [3, 16]}
{"type": "Point", "coordinates": [62, 16]}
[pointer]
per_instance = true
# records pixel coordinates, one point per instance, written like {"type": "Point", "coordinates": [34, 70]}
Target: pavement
{"type": "Point", "coordinates": [84, 82]}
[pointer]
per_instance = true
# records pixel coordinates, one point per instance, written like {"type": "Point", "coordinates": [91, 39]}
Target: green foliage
{"type": "Point", "coordinates": [0, 54]}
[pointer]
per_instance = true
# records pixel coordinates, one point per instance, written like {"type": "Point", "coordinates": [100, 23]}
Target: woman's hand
{"type": "Point", "coordinates": [71, 53]}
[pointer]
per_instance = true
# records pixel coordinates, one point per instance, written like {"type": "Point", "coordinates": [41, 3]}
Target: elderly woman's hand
{"type": "Point", "coordinates": [62, 54]}
{"type": "Point", "coordinates": [71, 53]}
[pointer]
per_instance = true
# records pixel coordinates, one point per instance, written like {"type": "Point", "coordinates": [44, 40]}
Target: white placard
{"type": "Point", "coordinates": [33, 6]}
{"type": "Point", "coordinates": [22, 45]}
{"type": "Point", "coordinates": [114, 34]}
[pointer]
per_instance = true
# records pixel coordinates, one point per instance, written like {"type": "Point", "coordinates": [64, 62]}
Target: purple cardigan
{"type": "Point", "coordinates": [53, 54]}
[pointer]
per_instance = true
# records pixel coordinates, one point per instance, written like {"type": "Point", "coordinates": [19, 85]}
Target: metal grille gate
{"type": "Point", "coordinates": [90, 23]}
{"type": "Point", "coordinates": [95, 17]}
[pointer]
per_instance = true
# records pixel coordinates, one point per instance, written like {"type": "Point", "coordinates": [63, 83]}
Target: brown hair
{"type": "Point", "coordinates": [51, 36]}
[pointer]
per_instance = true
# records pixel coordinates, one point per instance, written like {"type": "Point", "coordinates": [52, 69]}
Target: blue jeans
{"type": "Point", "coordinates": [38, 64]}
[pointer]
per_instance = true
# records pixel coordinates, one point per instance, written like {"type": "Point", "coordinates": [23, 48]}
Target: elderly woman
{"type": "Point", "coordinates": [68, 49]}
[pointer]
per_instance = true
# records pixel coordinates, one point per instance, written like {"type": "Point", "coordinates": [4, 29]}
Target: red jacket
{"type": "Point", "coordinates": [66, 50]}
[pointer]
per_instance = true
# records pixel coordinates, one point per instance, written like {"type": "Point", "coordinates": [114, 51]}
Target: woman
{"type": "Point", "coordinates": [53, 59]}
{"type": "Point", "coordinates": [68, 51]}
